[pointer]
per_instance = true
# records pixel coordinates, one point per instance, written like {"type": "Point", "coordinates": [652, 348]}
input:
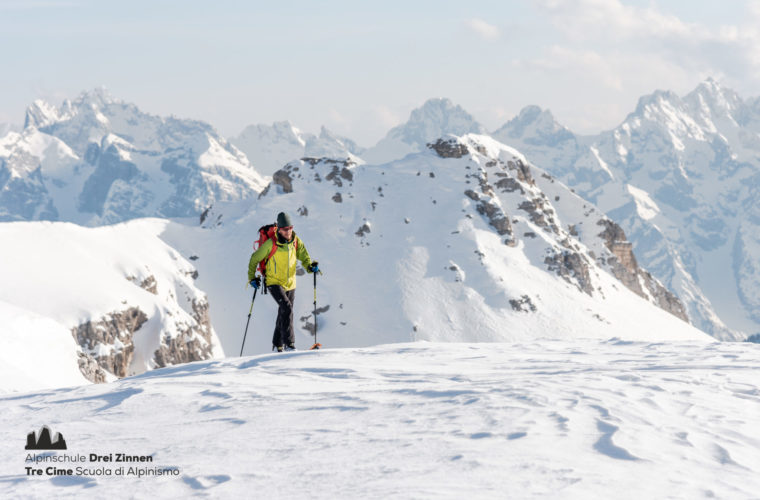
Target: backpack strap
{"type": "Point", "coordinates": [271, 252]}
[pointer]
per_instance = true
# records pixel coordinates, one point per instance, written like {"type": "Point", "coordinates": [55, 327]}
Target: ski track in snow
{"type": "Point", "coordinates": [569, 419]}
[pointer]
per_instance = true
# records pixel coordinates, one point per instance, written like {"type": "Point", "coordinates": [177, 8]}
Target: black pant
{"type": "Point", "coordinates": [283, 328]}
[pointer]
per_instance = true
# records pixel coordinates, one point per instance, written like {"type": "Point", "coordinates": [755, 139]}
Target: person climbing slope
{"type": "Point", "coordinates": [279, 253]}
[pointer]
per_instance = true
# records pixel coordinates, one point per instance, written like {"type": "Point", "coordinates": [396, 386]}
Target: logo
{"type": "Point", "coordinates": [43, 441]}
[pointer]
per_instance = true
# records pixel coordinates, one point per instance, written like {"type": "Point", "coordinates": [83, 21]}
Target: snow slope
{"type": "Point", "coordinates": [36, 352]}
{"type": "Point", "coordinates": [131, 298]}
{"type": "Point", "coordinates": [544, 418]}
{"type": "Point", "coordinates": [472, 248]}
{"type": "Point", "coordinates": [477, 246]}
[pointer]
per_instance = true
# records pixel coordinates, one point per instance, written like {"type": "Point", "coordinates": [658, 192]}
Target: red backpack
{"type": "Point", "coordinates": [267, 232]}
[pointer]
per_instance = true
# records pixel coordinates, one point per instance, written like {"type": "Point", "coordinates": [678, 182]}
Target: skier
{"type": "Point", "coordinates": [280, 277]}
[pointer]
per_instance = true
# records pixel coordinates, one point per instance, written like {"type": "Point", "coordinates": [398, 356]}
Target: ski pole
{"type": "Point", "coordinates": [249, 320]}
{"type": "Point", "coordinates": [316, 345]}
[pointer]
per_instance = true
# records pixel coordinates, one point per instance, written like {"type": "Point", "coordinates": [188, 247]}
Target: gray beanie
{"type": "Point", "coordinates": [283, 220]}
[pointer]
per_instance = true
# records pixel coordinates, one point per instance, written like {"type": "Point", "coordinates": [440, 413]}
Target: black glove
{"type": "Point", "coordinates": [314, 267]}
{"type": "Point", "coordinates": [256, 282]}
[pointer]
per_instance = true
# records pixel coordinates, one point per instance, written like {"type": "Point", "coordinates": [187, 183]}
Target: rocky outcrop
{"type": "Point", "coordinates": [211, 218]}
{"type": "Point", "coordinates": [623, 263]}
{"type": "Point", "coordinates": [192, 343]}
{"type": "Point", "coordinates": [522, 170]}
{"type": "Point", "coordinates": [338, 172]}
{"type": "Point", "coordinates": [540, 214]}
{"type": "Point", "coordinates": [494, 213]}
{"type": "Point", "coordinates": [487, 202]}
{"type": "Point", "coordinates": [573, 267]}
{"type": "Point", "coordinates": [149, 284]}
{"type": "Point", "coordinates": [90, 368]}
{"type": "Point", "coordinates": [306, 321]}
{"type": "Point", "coordinates": [109, 341]}
{"type": "Point", "coordinates": [282, 178]}
{"type": "Point", "coordinates": [523, 304]}
{"type": "Point", "coordinates": [664, 298]}
{"type": "Point", "coordinates": [364, 229]}
{"type": "Point", "coordinates": [624, 267]}
{"type": "Point", "coordinates": [448, 148]}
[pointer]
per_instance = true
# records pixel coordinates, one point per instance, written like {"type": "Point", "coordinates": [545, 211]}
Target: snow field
{"type": "Point", "coordinates": [552, 418]}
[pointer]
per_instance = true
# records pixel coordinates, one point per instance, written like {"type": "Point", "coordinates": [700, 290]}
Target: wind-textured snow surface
{"type": "Point", "coordinates": [558, 419]}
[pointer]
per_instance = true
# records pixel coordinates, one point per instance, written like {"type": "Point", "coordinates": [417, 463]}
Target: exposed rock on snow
{"type": "Point", "coordinates": [448, 148]}
{"type": "Point", "coordinates": [91, 370]}
{"type": "Point", "coordinates": [124, 299]}
{"type": "Point", "coordinates": [109, 340]}
{"type": "Point", "coordinates": [192, 343]}
{"type": "Point", "coordinates": [282, 178]}
{"type": "Point", "coordinates": [573, 268]}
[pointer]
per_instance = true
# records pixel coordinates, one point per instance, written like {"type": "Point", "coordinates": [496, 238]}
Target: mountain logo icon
{"type": "Point", "coordinates": [44, 441]}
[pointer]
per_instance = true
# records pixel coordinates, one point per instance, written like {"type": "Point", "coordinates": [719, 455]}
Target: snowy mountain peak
{"type": "Point", "coordinates": [282, 132]}
{"type": "Point", "coordinates": [656, 101]}
{"type": "Point", "coordinates": [40, 113]}
{"type": "Point", "coordinates": [679, 175]}
{"type": "Point", "coordinates": [92, 102]}
{"type": "Point", "coordinates": [710, 99]}
{"type": "Point", "coordinates": [434, 119]}
{"type": "Point", "coordinates": [269, 147]}
{"type": "Point", "coordinates": [96, 98]}
{"type": "Point", "coordinates": [437, 117]}
{"type": "Point", "coordinates": [533, 126]}
{"type": "Point", "coordinates": [328, 136]}
{"type": "Point", "coordinates": [696, 114]}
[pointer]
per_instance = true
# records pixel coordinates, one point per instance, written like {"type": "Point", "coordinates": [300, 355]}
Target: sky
{"type": "Point", "coordinates": [360, 68]}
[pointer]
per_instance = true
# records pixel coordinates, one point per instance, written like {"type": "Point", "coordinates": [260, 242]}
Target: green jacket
{"type": "Point", "coordinates": [281, 268]}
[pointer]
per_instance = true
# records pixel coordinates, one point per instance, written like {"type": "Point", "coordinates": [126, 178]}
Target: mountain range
{"type": "Point", "coordinates": [680, 176]}
{"type": "Point", "coordinates": [97, 160]}
{"type": "Point", "coordinates": [441, 231]}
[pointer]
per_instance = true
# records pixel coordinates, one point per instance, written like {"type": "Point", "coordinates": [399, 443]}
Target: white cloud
{"type": "Point", "coordinates": [589, 19]}
{"type": "Point", "coordinates": [384, 116]}
{"type": "Point", "coordinates": [604, 36]}
{"type": "Point", "coordinates": [586, 63]}
{"type": "Point", "coordinates": [483, 29]}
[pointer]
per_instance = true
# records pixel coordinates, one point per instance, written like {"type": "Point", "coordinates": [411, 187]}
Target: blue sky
{"type": "Point", "coordinates": [361, 67]}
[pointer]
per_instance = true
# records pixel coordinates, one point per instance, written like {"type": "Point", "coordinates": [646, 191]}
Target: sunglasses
{"type": "Point", "coordinates": [288, 228]}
